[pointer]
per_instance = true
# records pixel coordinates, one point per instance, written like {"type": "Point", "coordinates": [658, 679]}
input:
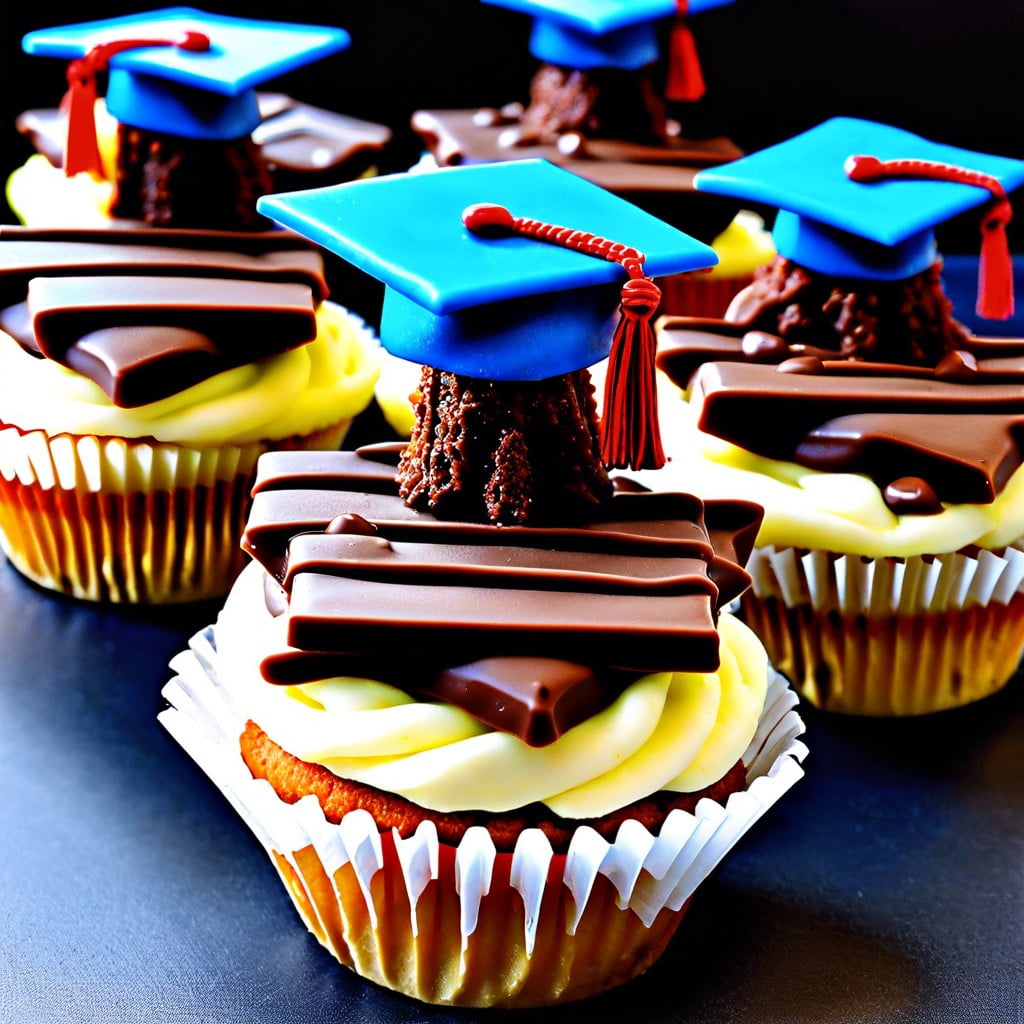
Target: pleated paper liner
{"type": "Point", "coordinates": [699, 293]}
{"type": "Point", "coordinates": [110, 519]}
{"type": "Point", "coordinates": [888, 636]}
{"type": "Point", "coordinates": [466, 925]}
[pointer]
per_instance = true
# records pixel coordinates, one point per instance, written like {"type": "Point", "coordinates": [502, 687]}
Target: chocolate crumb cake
{"type": "Point", "coordinates": [494, 730]}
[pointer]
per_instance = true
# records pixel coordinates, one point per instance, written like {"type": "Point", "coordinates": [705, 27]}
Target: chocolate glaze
{"type": "Point", "coordinates": [954, 425]}
{"type": "Point", "coordinates": [146, 314]}
{"type": "Point", "coordinates": [633, 588]}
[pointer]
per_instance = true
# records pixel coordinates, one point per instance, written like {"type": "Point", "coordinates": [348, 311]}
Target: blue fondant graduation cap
{"type": "Point", "coordinates": [598, 33]}
{"type": "Point", "coordinates": [507, 308]}
{"type": "Point", "coordinates": [197, 77]}
{"type": "Point", "coordinates": [870, 219]}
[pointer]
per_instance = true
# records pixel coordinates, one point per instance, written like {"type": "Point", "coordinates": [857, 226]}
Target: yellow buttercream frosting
{"type": "Point", "coordinates": [672, 730]}
{"type": "Point", "coordinates": [291, 394]}
{"type": "Point", "coordinates": [841, 512]}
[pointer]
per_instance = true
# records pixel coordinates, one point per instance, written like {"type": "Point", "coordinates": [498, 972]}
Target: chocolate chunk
{"type": "Point", "coordinates": [760, 346]}
{"type": "Point", "coordinates": [146, 338]}
{"type": "Point", "coordinates": [801, 365]}
{"type": "Point", "coordinates": [536, 699]}
{"type": "Point", "coordinates": [911, 494]}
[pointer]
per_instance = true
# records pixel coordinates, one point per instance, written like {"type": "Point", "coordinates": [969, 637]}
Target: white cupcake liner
{"type": "Point", "coordinates": [114, 519]}
{"type": "Point", "coordinates": [649, 873]}
{"type": "Point", "coordinates": [855, 585]}
{"type": "Point", "coordinates": [889, 636]}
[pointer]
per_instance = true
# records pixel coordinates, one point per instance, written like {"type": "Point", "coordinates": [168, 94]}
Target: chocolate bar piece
{"type": "Point", "coordinates": [372, 587]}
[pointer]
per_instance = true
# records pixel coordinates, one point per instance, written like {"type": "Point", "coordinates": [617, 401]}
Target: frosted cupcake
{"type": "Point", "coordinates": [142, 373]}
{"type": "Point", "coordinates": [876, 431]}
{"type": "Point", "coordinates": [181, 138]}
{"type": "Point", "coordinates": [482, 708]}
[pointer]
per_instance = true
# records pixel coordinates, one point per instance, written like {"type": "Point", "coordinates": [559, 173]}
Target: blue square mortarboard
{"type": "Point", "coordinates": [509, 308]}
{"type": "Point", "coordinates": [598, 33]}
{"type": "Point", "coordinates": [204, 94]}
{"type": "Point", "coordinates": [827, 222]}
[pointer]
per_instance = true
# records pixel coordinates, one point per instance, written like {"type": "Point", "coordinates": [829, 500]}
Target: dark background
{"type": "Point", "coordinates": [952, 71]}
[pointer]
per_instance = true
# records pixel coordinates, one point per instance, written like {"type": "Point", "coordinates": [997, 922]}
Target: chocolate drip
{"type": "Point", "coordinates": [632, 588]}
{"type": "Point", "coordinates": [907, 321]}
{"type": "Point", "coordinates": [168, 181]}
{"type": "Point", "coordinates": [504, 451]}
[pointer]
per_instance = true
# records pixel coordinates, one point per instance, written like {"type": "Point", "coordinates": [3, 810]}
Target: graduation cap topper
{"type": "Point", "coordinates": [873, 217]}
{"type": "Point", "coordinates": [506, 308]}
{"type": "Point", "coordinates": [586, 34]}
{"type": "Point", "coordinates": [177, 70]}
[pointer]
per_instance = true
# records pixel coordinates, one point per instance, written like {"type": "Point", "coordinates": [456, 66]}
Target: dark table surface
{"type": "Point", "coordinates": [887, 886]}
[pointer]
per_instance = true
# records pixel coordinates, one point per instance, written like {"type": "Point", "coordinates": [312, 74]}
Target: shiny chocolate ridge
{"type": "Point", "coordinates": [148, 313]}
{"type": "Point", "coordinates": [949, 433]}
{"type": "Point", "coordinates": [378, 589]}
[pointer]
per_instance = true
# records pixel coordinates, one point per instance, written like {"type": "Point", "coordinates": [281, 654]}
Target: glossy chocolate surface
{"type": "Point", "coordinates": [148, 313]}
{"type": "Point", "coordinates": [634, 588]}
{"type": "Point", "coordinates": [954, 428]}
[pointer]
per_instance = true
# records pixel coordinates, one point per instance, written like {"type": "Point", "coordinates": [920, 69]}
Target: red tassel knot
{"type": "Point", "coordinates": [630, 437]}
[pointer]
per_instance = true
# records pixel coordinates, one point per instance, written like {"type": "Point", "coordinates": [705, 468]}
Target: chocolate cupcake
{"type": "Point", "coordinates": [483, 707]}
{"type": "Point", "coordinates": [143, 373]}
{"type": "Point", "coordinates": [876, 430]}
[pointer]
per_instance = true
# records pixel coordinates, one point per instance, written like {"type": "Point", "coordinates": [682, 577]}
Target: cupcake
{"type": "Point", "coordinates": [875, 429]}
{"type": "Point", "coordinates": [181, 138]}
{"type": "Point", "coordinates": [143, 373]}
{"type": "Point", "coordinates": [599, 106]}
{"type": "Point", "coordinates": [742, 249]}
{"type": "Point", "coordinates": [484, 709]}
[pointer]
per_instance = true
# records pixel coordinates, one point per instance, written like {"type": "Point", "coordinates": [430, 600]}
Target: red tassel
{"type": "Point", "coordinates": [685, 82]}
{"type": "Point", "coordinates": [81, 150]}
{"type": "Point", "coordinates": [995, 266]}
{"type": "Point", "coordinates": [630, 436]}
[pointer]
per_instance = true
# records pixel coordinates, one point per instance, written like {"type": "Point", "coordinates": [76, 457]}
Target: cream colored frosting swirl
{"type": "Point", "coordinates": [841, 512]}
{"type": "Point", "coordinates": [677, 731]}
{"type": "Point", "coordinates": [294, 393]}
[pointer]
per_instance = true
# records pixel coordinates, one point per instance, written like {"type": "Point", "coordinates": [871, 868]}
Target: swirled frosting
{"type": "Point", "coordinates": [674, 731]}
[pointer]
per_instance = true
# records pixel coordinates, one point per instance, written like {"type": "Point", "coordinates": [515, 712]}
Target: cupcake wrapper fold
{"type": "Point", "coordinates": [111, 519]}
{"type": "Point", "coordinates": [467, 924]}
{"type": "Point", "coordinates": [889, 636]}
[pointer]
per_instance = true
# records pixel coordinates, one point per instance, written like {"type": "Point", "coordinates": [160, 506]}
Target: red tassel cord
{"type": "Point", "coordinates": [81, 151]}
{"type": "Point", "coordinates": [685, 81]}
{"type": "Point", "coordinates": [995, 267]}
{"type": "Point", "coordinates": [630, 436]}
